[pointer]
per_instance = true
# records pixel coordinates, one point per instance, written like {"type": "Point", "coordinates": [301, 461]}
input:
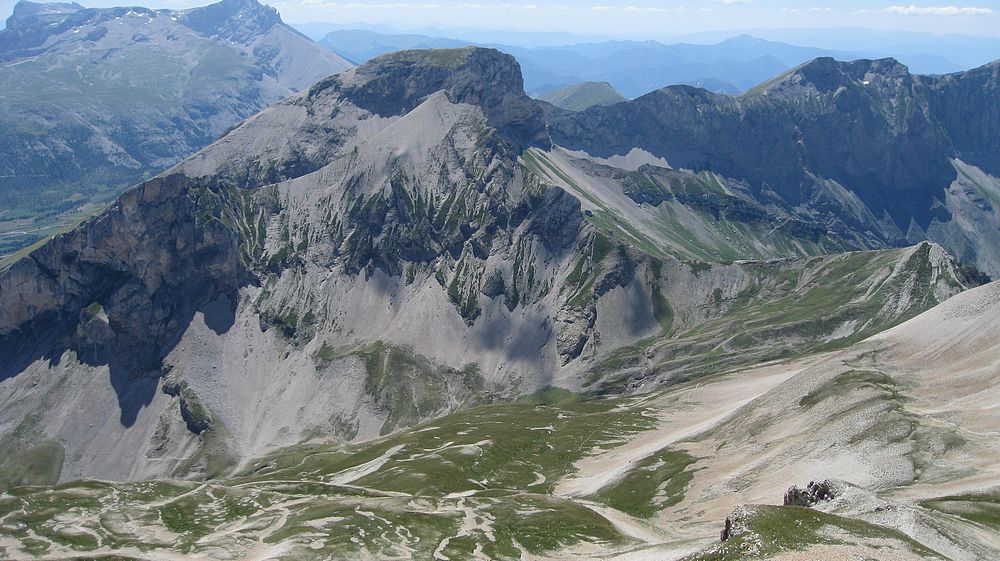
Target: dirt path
{"type": "Point", "coordinates": [682, 414]}
{"type": "Point", "coordinates": [628, 525]}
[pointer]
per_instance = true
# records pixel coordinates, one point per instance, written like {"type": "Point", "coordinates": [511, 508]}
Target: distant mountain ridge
{"type": "Point", "coordinates": [922, 52]}
{"type": "Point", "coordinates": [631, 67]}
{"type": "Point", "coordinates": [880, 155]}
{"type": "Point", "coordinates": [93, 99]}
{"type": "Point", "coordinates": [360, 45]}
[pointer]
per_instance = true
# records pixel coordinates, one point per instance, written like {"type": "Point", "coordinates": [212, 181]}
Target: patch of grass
{"type": "Point", "coordinates": [983, 510]}
{"type": "Point", "coordinates": [698, 266]}
{"type": "Point", "coordinates": [550, 395]}
{"type": "Point", "coordinates": [181, 515]}
{"type": "Point", "coordinates": [409, 387]}
{"type": "Point", "coordinates": [850, 381]}
{"type": "Point", "coordinates": [327, 354]}
{"type": "Point", "coordinates": [655, 483]}
{"type": "Point", "coordinates": [39, 465]}
{"type": "Point", "coordinates": [196, 515]}
{"type": "Point", "coordinates": [770, 530]}
{"type": "Point", "coordinates": [497, 448]}
{"type": "Point", "coordinates": [541, 523]}
{"type": "Point", "coordinates": [662, 311]}
{"type": "Point", "coordinates": [602, 247]}
{"type": "Point", "coordinates": [347, 525]}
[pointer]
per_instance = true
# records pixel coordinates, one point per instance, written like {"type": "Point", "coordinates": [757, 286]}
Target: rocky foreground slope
{"type": "Point", "coordinates": [95, 99]}
{"type": "Point", "coordinates": [900, 425]}
{"type": "Point", "coordinates": [395, 243]}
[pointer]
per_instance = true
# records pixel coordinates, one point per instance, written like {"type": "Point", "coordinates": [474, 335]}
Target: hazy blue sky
{"type": "Point", "coordinates": [631, 17]}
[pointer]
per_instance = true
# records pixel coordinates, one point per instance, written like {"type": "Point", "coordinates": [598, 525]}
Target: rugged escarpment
{"type": "Point", "coordinates": [863, 146]}
{"type": "Point", "coordinates": [144, 265]}
{"type": "Point", "coordinates": [396, 83]}
{"type": "Point", "coordinates": [307, 132]}
{"type": "Point", "coordinates": [392, 244]}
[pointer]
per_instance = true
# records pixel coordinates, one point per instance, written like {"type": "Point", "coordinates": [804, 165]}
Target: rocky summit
{"type": "Point", "coordinates": [409, 312]}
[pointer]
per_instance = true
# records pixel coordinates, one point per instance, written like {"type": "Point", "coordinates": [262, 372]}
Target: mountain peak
{"type": "Point", "coordinates": [26, 8]}
{"type": "Point", "coordinates": [237, 20]}
{"type": "Point", "coordinates": [856, 68]}
{"type": "Point", "coordinates": [743, 40]}
{"type": "Point", "coordinates": [53, 12]}
{"type": "Point", "coordinates": [396, 83]}
{"type": "Point", "coordinates": [827, 74]}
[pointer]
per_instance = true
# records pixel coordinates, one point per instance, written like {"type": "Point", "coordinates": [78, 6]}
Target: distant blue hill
{"type": "Point", "coordinates": [631, 67]}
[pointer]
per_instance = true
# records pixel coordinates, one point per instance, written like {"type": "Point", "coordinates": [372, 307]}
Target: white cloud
{"type": "Point", "coordinates": [912, 10]}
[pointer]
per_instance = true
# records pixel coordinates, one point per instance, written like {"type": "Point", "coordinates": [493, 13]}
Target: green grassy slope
{"type": "Point", "coordinates": [578, 97]}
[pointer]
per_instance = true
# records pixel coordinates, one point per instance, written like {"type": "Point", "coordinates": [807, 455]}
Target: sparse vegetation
{"type": "Point", "coordinates": [655, 483]}
{"type": "Point", "coordinates": [983, 509]}
{"type": "Point", "coordinates": [764, 531]}
{"type": "Point", "coordinates": [40, 464]}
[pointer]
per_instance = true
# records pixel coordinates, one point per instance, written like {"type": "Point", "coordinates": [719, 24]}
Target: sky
{"type": "Point", "coordinates": [628, 18]}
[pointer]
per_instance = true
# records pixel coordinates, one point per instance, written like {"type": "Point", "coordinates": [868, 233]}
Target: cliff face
{"type": "Point", "coordinates": [882, 139]}
{"type": "Point", "coordinates": [148, 262]}
{"type": "Point", "coordinates": [396, 83]}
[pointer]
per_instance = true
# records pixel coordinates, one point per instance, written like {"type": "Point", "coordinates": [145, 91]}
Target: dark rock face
{"type": "Point", "coordinates": [396, 83]}
{"type": "Point", "coordinates": [31, 23]}
{"type": "Point", "coordinates": [968, 104]}
{"type": "Point", "coordinates": [727, 530]}
{"type": "Point", "coordinates": [574, 324]}
{"type": "Point", "coordinates": [815, 492]}
{"type": "Point", "coordinates": [559, 221]}
{"type": "Point", "coordinates": [193, 412]}
{"type": "Point", "coordinates": [494, 286]}
{"type": "Point", "coordinates": [149, 263]}
{"type": "Point", "coordinates": [235, 20]}
{"type": "Point", "coordinates": [882, 133]}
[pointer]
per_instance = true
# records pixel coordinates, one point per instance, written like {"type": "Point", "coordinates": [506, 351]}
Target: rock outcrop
{"type": "Point", "coordinates": [394, 84]}
{"type": "Point", "coordinates": [815, 492]}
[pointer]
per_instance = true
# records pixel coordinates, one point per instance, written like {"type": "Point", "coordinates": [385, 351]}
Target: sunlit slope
{"type": "Point", "coordinates": [898, 418]}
